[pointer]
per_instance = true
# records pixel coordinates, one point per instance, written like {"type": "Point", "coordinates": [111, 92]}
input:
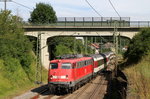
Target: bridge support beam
{"type": "Point", "coordinates": [44, 51]}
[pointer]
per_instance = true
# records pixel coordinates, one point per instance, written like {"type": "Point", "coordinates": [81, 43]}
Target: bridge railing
{"type": "Point", "coordinates": [95, 22]}
{"type": "Point", "coordinates": [139, 24]}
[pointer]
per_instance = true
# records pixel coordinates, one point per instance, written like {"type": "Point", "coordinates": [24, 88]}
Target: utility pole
{"type": "Point", "coordinates": [115, 37]}
{"type": "Point", "coordinates": [38, 75]}
{"type": "Point", "coordinates": [74, 45]}
{"type": "Point", "coordinates": [120, 42]}
{"type": "Point", "coordinates": [115, 41]}
{"type": "Point", "coordinates": [95, 39]}
{"type": "Point", "coordinates": [5, 1]}
{"type": "Point", "coordinates": [17, 12]}
{"type": "Point", "coordinates": [85, 45]}
{"type": "Point", "coordinates": [101, 44]}
{"type": "Point", "coordinates": [5, 5]}
{"type": "Point", "coordinates": [92, 43]}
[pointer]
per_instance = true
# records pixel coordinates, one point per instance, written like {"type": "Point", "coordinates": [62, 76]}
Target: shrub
{"type": "Point", "coordinates": [139, 46]}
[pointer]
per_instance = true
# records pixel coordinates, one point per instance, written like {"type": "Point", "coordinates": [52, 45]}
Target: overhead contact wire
{"type": "Point", "coordinates": [93, 8]}
{"type": "Point", "coordinates": [22, 5]}
{"type": "Point", "coordinates": [114, 8]}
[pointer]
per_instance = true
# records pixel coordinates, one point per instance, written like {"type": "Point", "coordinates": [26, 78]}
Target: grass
{"type": "Point", "coordinates": [16, 82]}
{"type": "Point", "coordinates": [139, 78]}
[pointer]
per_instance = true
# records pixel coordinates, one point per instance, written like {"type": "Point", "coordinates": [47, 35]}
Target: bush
{"type": "Point", "coordinates": [15, 56]}
{"type": "Point", "coordinates": [13, 72]}
{"type": "Point", "coordinates": [61, 50]}
{"type": "Point", "coordinates": [66, 45]}
{"type": "Point", "coordinates": [139, 46]}
{"type": "Point", "coordinates": [17, 65]}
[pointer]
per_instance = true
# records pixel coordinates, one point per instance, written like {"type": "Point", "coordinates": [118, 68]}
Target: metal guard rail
{"type": "Point", "coordinates": [138, 24]}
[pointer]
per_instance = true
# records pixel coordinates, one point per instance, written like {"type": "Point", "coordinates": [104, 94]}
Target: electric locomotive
{"type": "Point", "coordinates": [69, 73]}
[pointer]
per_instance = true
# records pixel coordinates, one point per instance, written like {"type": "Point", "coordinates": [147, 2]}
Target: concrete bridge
{"type": "Point", "coordinates": [125, 29]}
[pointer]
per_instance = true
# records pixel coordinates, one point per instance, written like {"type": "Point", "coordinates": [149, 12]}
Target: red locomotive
{"type": "Point", "coordinates": [71, 73]}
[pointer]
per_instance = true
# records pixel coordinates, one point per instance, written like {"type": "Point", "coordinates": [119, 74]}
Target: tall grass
{"type": "Point", "coordinates": [16, 81]}
{"type": "Point", "coordinates": [139, 78]}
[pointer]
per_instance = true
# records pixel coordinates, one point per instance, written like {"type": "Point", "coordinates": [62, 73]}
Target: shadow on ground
{"type": "Point", "coordinates": [117, 86]}
{"type": "Point", "coordinates": [44, 90]}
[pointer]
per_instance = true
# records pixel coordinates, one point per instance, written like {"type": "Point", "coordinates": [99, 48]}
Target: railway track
{"type": "Point", "coordinates": [40, 93]}
{"type": "Point", "coordinates": [97, 89]}
{"type": "Point", "coordinates": [91, 90]}
{"type": "Point", "coordinates": [82, 91]}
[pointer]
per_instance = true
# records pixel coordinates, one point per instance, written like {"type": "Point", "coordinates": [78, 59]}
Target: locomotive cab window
{"type": "Point", "coordinates": [53, 66]}
{"type": "Point", "coordinates": [66, 66]}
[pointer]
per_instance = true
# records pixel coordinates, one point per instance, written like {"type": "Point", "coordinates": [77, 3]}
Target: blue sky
{"type": "Point", "coordinates": [136, 9]}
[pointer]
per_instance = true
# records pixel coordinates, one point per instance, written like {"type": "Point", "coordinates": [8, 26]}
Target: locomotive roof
{"type": "Point", "coordinates": [96, 55]}
{"type": "Point", "coordinates": [71, 60]}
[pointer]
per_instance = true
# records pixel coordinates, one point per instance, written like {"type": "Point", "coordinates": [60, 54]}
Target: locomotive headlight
{"type": "Point", "coordinates": [51, 76]}
{"type": "Point", "coordinates": [55, 77]}
{"type": "Point", "coordinates": [66, 76]}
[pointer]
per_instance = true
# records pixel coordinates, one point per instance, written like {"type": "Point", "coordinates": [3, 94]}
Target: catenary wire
{"type": "Point", "coordinates": [93, 8]}
{"type": "Point", "coordinates": [22, 5]}
{"type": "Point", "coordinates": [114, 8]}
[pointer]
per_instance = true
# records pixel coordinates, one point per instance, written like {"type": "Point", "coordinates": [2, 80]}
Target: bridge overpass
{"type": "Point", "coordinates": [81, 28]}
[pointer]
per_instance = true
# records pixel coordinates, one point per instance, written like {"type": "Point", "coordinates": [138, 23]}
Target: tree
{"type": "Point", "coordinates": [13, 43]}
{"type": "Point", "coordinates": [61, 50]}
{"type": "Point", "coordinates": [139, 46]}
{"type": "Point", "coordinates": [43, 14]}
{"type": "Point", "coordinates": [65, 45]}
{"type": "Point", "coordinates": [15, 54]}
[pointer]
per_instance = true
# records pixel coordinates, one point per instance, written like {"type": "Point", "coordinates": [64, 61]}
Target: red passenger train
{"type": "Point", "coordinates": [71, 73]}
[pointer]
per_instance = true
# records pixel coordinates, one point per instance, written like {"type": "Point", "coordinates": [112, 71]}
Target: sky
{"type": "Point", "coordinates": [137, 10]}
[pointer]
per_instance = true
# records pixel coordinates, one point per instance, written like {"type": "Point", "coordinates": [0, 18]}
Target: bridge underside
{"type": "Point", "coordinates": [47, 32]}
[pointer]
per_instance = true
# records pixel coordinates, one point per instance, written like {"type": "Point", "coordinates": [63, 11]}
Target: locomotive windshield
{"type": "Point", "coordinates": [66, 66]}
{"type": "Point", "coordinates": [53, 66]}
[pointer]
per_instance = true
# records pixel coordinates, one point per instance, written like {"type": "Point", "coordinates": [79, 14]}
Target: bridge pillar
{"type": "Point", "coordinates": [44, 51]}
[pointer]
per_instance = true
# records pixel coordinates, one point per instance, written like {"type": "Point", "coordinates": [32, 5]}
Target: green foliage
{"type": "Point", "coordinates": [66, 45]}
{"type": "Point", "coordinates": [16, 59]}
{"type": "Point", "coordinates": [13, 76]}
{"type": "Point", "coordinates": [4, 82]}
{"type": "Point", "coordinates": [13, 71]}
{"type": "Point", "coordinates": [43, 14]}
{"type": "Point", "coordinates": [61, 50]}
{"type": "Point", "coordinates": [12, 40]}
{"type": "Point", "coordinates": [9, 23]}
{"type": "Point", "coordinates": [80, 48]}
{"type": "Point", "coordinates": [106, 50]}
{"type": "Point", "coordinates": [139, 46]}
{"type": "Point", "coordinates": [139, 78]}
